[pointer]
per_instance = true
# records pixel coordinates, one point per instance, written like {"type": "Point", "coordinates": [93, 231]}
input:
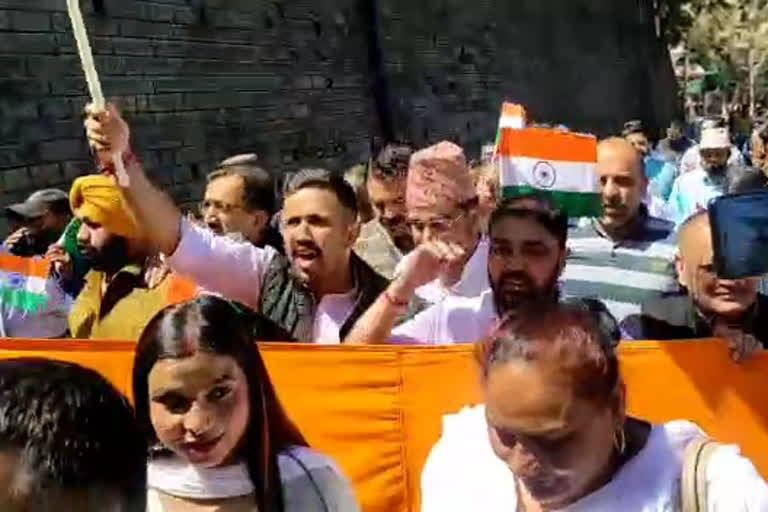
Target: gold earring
{"type": "Point", "coordinates": [620, 440]}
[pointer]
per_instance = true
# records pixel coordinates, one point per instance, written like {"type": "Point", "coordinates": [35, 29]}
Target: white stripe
{"type": "Point", "coordinates": [621, 310]}
{"type": "Point", "coordinates": [551, 175]}
{"type": "Point", "coordinates": [618, 277]}
{"type": "Point", "coordinates": [32, 284]}
{"type": "Point", "coordinates": [666, 251]}
{"type": "Point", "coordinates": [516, 123]}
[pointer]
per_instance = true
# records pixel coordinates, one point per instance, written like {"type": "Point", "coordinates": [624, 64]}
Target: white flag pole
{"type": "Point", "coordinates": [92, 76]}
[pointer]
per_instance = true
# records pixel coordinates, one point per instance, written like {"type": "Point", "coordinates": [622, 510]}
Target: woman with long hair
{"type": "Point", "coordinates": [554, 435]}
{"type": "Point", "coordinates": [219, 438]}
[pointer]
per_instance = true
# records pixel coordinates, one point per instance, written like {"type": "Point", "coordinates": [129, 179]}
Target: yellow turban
{"type": "Point", "coordinates": [97, 198]}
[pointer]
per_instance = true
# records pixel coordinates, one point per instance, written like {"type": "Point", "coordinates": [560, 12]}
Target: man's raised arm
{"type": "Point", "coordinates": [420, 267]}
{"type": "Point", "coordinates": [155, 212]}
{"type": "Point", "coordinates": [216, 263]}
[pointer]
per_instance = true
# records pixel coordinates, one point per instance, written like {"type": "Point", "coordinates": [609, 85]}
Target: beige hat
{"type": "Point", "coordinates": [439, 175]}
{"type": "Point", "coordinates": [715, 138]}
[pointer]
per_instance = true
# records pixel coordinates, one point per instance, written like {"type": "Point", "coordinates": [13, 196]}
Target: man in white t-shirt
{"type": "Point", "coordinates": [526, 257]}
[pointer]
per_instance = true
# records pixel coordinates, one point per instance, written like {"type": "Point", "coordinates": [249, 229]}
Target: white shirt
{"type": "Point", "coordinates": [235, 269]}
{"type": "Point", "coordinates": [454, 320]}
{"type": "Point", "coordinates": [473, 281]}
{"type": "Point", "coordinates": [692, 158]}
{"type": "Point", "coordinates": [463, 473]}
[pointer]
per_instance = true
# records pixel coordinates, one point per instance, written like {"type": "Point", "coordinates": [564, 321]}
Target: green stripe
{"type": "Point", "coordinates": [575, 204]}
{"type": "Point", "coordinates": [22, 299]}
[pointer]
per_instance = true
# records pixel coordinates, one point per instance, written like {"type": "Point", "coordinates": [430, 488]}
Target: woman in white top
{"type": "Point", "coordinates": [553, 434]}
{"type": "Point", "coordinates": [221, 440]}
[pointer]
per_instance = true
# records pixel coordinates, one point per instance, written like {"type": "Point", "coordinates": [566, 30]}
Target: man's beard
{"type": "Point", "coordinates": [516, 289]}
{"type": "Point", "coordinates": [717, 170]}
{"type": "Point", "coordinates": [110, 258]}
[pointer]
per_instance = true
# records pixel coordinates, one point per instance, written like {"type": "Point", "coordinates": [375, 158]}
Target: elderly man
{"type": "Point", "coordinates": [527, 255]}
{"type": "Point", "coordinates": [384, 240]}
{"type": "Point", "coordinates": [116, 302]}
{"type": "Point", "coordinates": [626, 257]}
{"type": "Point", "coordinates": [442, 207]}
{"type": "Point", "coordinates": [315, 294]}
{"type": "Point", "coordinates": [692, 191]}
{"type": "Point", "coordinates": [691, 160]}
{"type": "Point", "coordinates": [240, 198]}
{"type": "Point", "coordinates": [731, 309]}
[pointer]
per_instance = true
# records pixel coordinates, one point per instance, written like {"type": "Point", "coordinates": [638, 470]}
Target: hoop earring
{"type": "Point", "coordinates": [620, 440]}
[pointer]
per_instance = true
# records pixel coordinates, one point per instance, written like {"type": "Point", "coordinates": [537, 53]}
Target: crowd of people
{"type": "Point", "coordinates": [418, 246]}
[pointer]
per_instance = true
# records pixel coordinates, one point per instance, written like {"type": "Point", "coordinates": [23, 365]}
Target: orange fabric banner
{"type": "Point", "coordinates": [378, 410]}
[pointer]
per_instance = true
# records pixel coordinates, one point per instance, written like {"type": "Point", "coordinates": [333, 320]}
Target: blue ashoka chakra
{"type": "Point", "coordinates": [544, 175]}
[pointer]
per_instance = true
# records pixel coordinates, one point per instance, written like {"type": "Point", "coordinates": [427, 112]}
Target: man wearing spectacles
{"type": "Point", "coordinates": [442, 207]}
{"type": "Point", "coordinates": [240, 198]}
{"type": "Point", "coordinates": [316, 292]}
{"type": "Point", "coordinates": [526, 258]}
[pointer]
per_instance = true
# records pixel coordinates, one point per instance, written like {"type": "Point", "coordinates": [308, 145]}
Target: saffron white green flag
{"type": "Point", "coordinates": [556, 163]}
{"type": "Point", "coordinates": [23, 283]}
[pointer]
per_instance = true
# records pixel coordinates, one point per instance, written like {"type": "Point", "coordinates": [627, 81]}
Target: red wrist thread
{"type": "Point", "coordinates": [395, 302]}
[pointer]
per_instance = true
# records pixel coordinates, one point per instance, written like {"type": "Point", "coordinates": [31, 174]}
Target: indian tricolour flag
{"type": "Point", "coordinates": [555, 163]}
{"type": "Point", "coordinates": [23, 283]}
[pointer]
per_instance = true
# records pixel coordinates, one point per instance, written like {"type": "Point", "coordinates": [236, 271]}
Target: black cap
{"type": "Point", "coordinates": [37, 203]}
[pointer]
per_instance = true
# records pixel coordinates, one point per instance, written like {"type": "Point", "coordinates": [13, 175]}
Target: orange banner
{"type": "Point", "coordinates": [378, 410]}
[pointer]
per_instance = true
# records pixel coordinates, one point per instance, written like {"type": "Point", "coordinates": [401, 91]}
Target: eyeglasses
{"type": "Point", "coordinates": [438, 225]}
{"type": "Point", "coordinates": [219, 206]}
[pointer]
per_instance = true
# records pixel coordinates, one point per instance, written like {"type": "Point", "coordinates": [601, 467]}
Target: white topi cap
{"type": "Point", "coordinates": [715, 138]}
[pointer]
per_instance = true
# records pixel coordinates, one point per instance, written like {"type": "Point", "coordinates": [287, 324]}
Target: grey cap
{"type": "Point", "coordinates": [37, 203]}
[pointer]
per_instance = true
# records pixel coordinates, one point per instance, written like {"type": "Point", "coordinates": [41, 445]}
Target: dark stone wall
{"type": "Point", "coordinates": [304, 82]}
{"type": "Point", "coordinates": [588, 64]}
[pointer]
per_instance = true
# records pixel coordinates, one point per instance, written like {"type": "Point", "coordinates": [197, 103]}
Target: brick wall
{"type": "Point", "coordinates": [292, 80]}
{"type": "Point", "coordinates": [584, 63]}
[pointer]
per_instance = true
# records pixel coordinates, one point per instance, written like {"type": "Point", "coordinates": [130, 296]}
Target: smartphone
{"type": "Point", "coordinates": [740, 235]}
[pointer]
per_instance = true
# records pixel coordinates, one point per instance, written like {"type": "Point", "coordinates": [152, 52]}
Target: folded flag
{"type": "Point", "coordinates": [555, 163]}
{"type": "Point", "coordinates": [23, 283]}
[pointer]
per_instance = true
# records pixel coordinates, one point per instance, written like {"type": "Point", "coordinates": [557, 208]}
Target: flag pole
{"type": "Point", "coordinates": [92, 76]}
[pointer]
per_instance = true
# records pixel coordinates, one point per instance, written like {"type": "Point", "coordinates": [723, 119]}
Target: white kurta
{"type": "Point", "coordinates": [474, 278]}
{"type": "Point", "coordinates": [454, 320]}
{"type": "Point", "coordinates": [462, 473]}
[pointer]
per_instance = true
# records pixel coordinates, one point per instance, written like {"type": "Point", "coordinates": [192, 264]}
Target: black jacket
{"type": "Point", "coordinates": [676, 318]}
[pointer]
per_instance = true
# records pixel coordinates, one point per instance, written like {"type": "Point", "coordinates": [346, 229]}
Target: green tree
{"type": "Point", "coordinates": [733, 36]}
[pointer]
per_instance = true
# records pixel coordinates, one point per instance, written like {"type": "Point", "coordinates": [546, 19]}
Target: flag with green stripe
{"type": "Point", "coordinates": [554, 163]}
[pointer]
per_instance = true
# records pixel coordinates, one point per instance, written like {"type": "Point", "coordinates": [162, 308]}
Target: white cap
{"type": "Point", "coordinates": [715, 138]}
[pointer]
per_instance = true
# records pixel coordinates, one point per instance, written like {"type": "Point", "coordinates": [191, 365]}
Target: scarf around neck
{"type": "Point", "coordinates": [180, 479]}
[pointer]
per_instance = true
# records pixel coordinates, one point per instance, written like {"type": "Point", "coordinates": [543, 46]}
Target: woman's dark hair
{"type": "Point", "coordinates": [216, 326]}
{"type": "Point", "coordinates": [571, 335]}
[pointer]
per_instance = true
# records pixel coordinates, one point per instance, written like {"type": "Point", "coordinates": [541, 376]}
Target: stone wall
{"type": "Point", "coordinates": [588, 64]}
{"type": "Point", "coordinates": [304, 82]}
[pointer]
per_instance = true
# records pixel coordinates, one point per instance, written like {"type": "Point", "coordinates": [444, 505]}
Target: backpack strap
{"type": "Point", "coordinates": [693, 481]}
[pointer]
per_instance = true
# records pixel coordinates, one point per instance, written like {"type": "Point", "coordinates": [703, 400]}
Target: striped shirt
{"type": "Point", "coordinates": [622, 274]}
